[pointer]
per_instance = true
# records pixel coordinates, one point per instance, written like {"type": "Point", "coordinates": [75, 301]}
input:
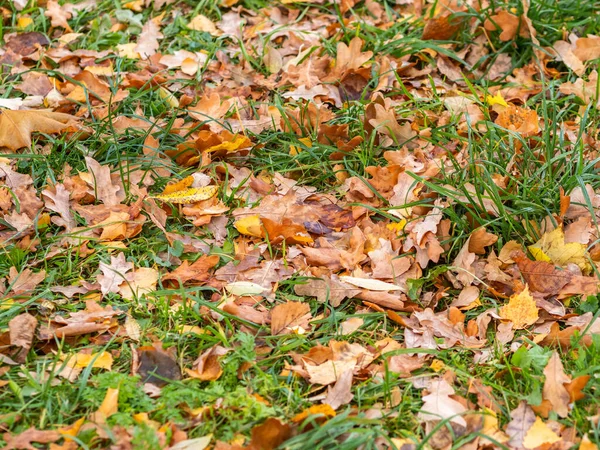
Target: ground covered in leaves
{"type": "Point", "coordinates": [243, 224]}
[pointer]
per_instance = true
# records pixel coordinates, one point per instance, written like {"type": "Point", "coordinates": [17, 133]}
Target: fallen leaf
{"type": "Point", "coordinates": [147, 44]}
{"type": "Point", "coordinates": [188, 196]}
{"type": "Point", "coordinates": [539, 434]}
{"type": "Point", "coordinates": [16, 126]}
{"type": "Point", "coordinates": [21, 332]}
{"type": "Point", "coordinates": [554, 385]}
{"type": "Point", "coordinates": [114, 274]}
{"type": "Point", "coordinates": [290, 317]}
{"type": "Point", "coordinates": [340, 394]}
{"type": "Point", "coordinates": [207, 367]}
{"type": "Point", "coordinates": [270, 434]}
{"type": "Point", "coordinates": [552, 248]}
{"type": "Point", "coordinates": [521, 310]}
{"type": "Point", "coordinates": [437, 404]}
{"type": "Point", "coordinates": [198, 272]}
{"type": "Point", "coordinates": [522, 419]}
{"type": "Point", "coordinates": [109, 406]}
{"type": "Point", "coordinates": [157, 366]}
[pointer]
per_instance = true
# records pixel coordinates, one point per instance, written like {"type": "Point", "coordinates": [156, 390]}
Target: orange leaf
{"type": "Point", "coordinates": [16, 126]}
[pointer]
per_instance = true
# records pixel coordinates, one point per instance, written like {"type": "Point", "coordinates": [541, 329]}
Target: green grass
{"type": "Point", "coordinates": [36, 397]}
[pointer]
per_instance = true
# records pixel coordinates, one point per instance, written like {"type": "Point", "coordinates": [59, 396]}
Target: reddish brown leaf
{"type": "Point", "coordinates": [195, 273]}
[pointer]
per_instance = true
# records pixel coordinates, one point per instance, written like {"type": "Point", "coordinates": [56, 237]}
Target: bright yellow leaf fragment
{"type": "Point", "coordinates": [249, 226]}
{"type": "Point", "coordinates": [539, 434]}
{"type": "Point", "coordinates": [187, 196]}
{"type": "Point", "coordinates": [294, 150]}
{"type": "Point", "coordinates": [397, 226]}
{"type": "Point", "coordinates": [552, 247]}
{"type": "Point", "coordinates": [496, 100]}
{"type": "Point", "coordinates": [238, 143]}
{"type": "Point", "coordinates": [323, 409]}
{"type": "Point", "coordinates": [521, 310]}
{"type": "Point", "coordinates": [102, 360]}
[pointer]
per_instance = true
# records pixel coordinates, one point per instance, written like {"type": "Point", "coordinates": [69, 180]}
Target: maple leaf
{"type": "Point", "coordinates": [509, 24]}
{"type": "Point", "coordinates": [114, 274]}
{"type": "Point", "coordinates": [437, 404]}
{"type": "Point", "coordinates": [552, 248]}
{"type": "Point", "coordinates": [16, 126]}
{"type": "Point", "coordinates": [554, 386]}
{"type": "Point", "coordinates": [521, 310]}
{"type": "Point", "coordinates": [58, 15]}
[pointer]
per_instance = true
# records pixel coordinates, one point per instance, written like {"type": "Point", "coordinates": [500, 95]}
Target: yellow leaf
{"type": "Point", "coordinates": [496, 100]}
{"type": "Point", "coordinates": [586, 444]}
{"type": "Point", "coordinates": [249, 226]}
{"type": "Point", "coordinates": [71, 430]}
{"type": "Point", "coordinates": [109, 406]}
{"type": "Point", "coordinates": [437, 365]}
{"type": "Point", "coordinates": [128, 51]}
{"type": "Point", "coordinates": [102, 360]}
{"type": "Point", "coordinates": [323, 409]}
{"type": "Point", "coordinates": [187, 196]}
{"type": "Point", "coordinates": [539, 434]}
{"type": "Point", "coordinates": [168, 97]}
{"type": "Point", "coordinates": [178, 186]}
{"type": "Point", "coordinates": [238, 143]}
{"type": "Point", "coordinates": [24, 22]}
{"type": "Point", "coordinates": [136, 5]}
{"type": "Point", "coordinates": [521, 310]}
{"type": "Point", "coordinates": [552, 246]}
{"type": "Point", "coordinates": [43, 220]}
{"type": "Point", "coordinates": [294, 150]}
{"type": "Point", "coordinates": [397, 226]}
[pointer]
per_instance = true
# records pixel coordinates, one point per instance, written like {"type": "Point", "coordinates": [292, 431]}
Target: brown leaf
{"type": "Point", "coordinates": [541, 276]}
{"type": "Point", "coordinates": [575, 388]}
{"type": "Point", "coordinates": [114, 274]}
{"type": "Point", "coordinates": [22, 331]}
{"type": "Point", "coordinates": [207, 366]}
{"type": "Point", "coordinates": [340, 394]}
{"type": "Point", "coordinates": [26, 43]}
{"type": "Point", "coordinates": [509, 24]}
{"type": "Point", "coordinates": [16, 126]}
{"type": "Point", "coordinates": [25, 439]}
{"type": "Point", "coordinates": [147, 44]}
{"type": "Point", "coordinates": [58, 15]}
{"type": "Point", "coordinates": [290, 317]}
{"type": "Point", "coordinates": [327, 289]}
{"type": "Point", "coordinates": [58, 201]}
{"type": "Point", "coordinates": [554, 386]}
{"type": "Point", "coordinates": [24, 282]}
{"type": "Point", "coordinates": [103, 188]}
{"type": "Point", "coordinates": [522, 419]}
{"type": "Point", "coordinates": [270, 434]}
{"type": "Point", "coordinates": [157, 366]}
{"type": "Point", "coordinates": [196, 273]}
{"type": "Point", "coordinates": [481, 239]}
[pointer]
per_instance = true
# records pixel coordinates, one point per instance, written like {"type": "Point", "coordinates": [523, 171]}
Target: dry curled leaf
{"type": "Point", "coordinates": [290, 317]}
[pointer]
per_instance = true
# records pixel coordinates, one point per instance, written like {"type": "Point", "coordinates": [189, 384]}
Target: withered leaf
{"type": "Point", "coordinates": [197, 273]}
{"type": "Point", "coordinates": [16, 127]}
{"type": "Point", "coordinates": [554, 386]}
{"type": "Point", "coordinates": [290, 317]}
{"type": "Point", "coordinates": [157, 366]}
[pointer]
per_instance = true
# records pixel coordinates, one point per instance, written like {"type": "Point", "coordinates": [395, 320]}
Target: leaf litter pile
{"type": "Point", "coordinates": [252, 225]}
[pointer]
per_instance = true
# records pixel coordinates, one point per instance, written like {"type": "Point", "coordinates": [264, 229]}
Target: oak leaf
{"type": "Point", "coordinates": [509, 24]}
{"type": "Point", "coordinates": [147, 43]}
{"type": "Point", "coordinates": [25, 281]}
{"type": "Point", "coordinates": [58, 201]}
{"type": "Point", "coordinates": [521, 310]}
{"type": "Point", "coordinates": [16, 126]}
{"type": "Point", "coordinates": [114, 274]}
